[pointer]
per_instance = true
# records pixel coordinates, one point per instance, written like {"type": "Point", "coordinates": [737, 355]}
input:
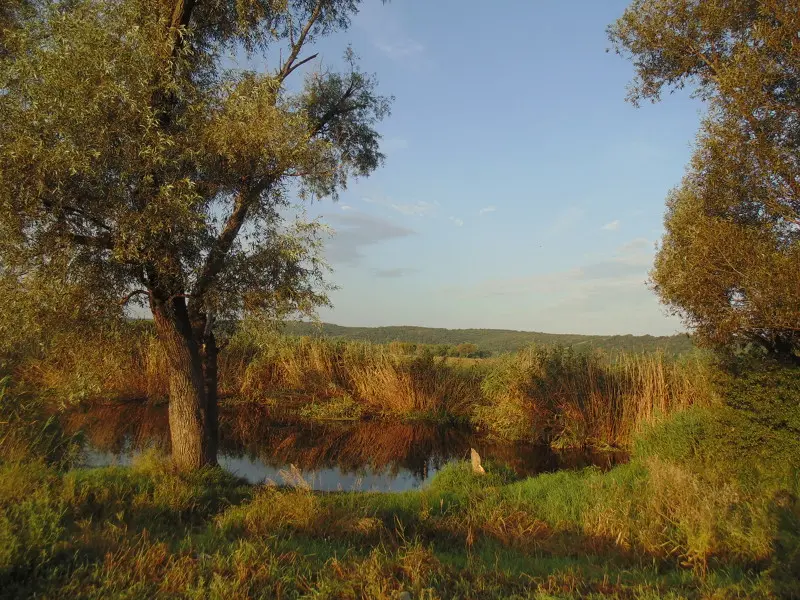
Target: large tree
{"type": "Point", "coordinates": [730, 259]}
{"type": "Point", "coordinates": [137, 162]}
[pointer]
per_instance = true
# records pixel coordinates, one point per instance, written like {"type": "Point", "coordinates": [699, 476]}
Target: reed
{"type": "Point", "coordinates": [383, 381]}
{"type": "Point", "coordinates": [541, 394]}
{"type": "Point", "coordinates": [571, 399]}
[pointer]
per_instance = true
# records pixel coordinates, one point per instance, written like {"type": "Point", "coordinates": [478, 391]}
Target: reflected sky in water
{"type": "Point", "coordinates": [261, 445]}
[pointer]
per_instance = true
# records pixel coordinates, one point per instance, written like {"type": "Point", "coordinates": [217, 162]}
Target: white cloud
{"type": "Point", "coordinates": [487, 209]}
{"type": "Point", "coordinates": [415, 209]}
{"type": "Point", "coordinates": [613, 226]}
{"type": "Point", "coordinates": [456, 221]}
{"type": "Point", "coordinates": [388, 32]}
{"type": "Point", "coordinates": [400, 49]}
{"type": "Point", "coordinates": [637, 251]}
{"type": "Point", "coordinates": [608, 296]}
{"type": "Point", "coordinates": [346, 207]}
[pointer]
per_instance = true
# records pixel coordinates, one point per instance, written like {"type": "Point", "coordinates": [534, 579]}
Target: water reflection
{"type": "Point", "coordinates": [257, 443]}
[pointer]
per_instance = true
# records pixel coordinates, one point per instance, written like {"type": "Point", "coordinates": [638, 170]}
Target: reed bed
{"type": "Point", "coordinates": [383, 381]}
{"type": "Point", "coordinates": [570, 399]}
{"type": "Point", "coordinates": [542, 394]}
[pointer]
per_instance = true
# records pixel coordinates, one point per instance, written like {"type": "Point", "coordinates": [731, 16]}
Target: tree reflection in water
{"type": "Point", "coordinates": [261, 440]}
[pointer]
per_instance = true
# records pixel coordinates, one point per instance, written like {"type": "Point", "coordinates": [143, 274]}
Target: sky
{"type": "Point", "coordinates": [520, 191]}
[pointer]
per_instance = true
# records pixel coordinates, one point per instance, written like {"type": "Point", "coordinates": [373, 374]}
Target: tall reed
{"type": "Point", "coordinates": [541, 394]}
{"type": "Point", "coordinates": [572, 399]}
{"type": "Point", "coordinates": [375, 376]}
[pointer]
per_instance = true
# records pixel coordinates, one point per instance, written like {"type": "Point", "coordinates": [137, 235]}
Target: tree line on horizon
{"type": "Point", "coordinates": [493, 341]}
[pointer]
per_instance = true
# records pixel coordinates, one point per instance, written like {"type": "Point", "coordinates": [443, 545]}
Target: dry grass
{"type": "Point", "coordinates": [381, 380]}
{"type": "Point", "coordinates": [576, 400]}
{"type": "Point", "coordinates": [541, 394]}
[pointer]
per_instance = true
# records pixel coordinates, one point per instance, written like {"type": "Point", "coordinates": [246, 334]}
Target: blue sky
{"type": "Point", "coordinates": [520, 190]}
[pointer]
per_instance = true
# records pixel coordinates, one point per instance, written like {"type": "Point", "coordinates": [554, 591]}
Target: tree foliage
{"type": "Point", "coordinates": [729, 259]}
{"type": "Point", "coordinates": [135, 162]}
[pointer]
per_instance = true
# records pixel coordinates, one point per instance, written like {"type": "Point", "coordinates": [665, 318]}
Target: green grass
{"type": "Point", "coordinates": [147, 531]}
{"type": "Point", "coordinates": [708, 507]}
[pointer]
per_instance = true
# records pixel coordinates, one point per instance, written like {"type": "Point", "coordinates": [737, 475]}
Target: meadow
{"type": "Point", "coordinates": [706, 507]}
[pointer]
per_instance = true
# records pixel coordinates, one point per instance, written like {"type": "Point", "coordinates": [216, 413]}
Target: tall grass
{"type": "Point", "coordinates": [571, 399]}
{"type": "Point", "coordinates": [541, 394]}
{"type": "Point", "coordinates": [383, 381]}
{"type": "Point", "coordinates": [707, 508]}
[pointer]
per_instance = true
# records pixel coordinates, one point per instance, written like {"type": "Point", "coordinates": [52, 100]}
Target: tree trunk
{"type": "Point", "coordinates": [190, 422]}
{"type": "Point", "coordinates": [212, 411]}
{"type": "Point", "coordinates": [204, 331]}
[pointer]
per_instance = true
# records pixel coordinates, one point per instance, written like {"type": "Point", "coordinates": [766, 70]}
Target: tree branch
{"type": "Point", "coordinates": [216, 257]}
{"type": "Point", "coordinates": [67, 208]}
{"type": "Point", "coordinates": [334, 110]}
{"type": "Point", "coordinates": [300, 64]}
{"type": "Point", "coordinates": [95, 241]}
{"type": "Point", "coordinates": [181, 15]}
{"type": "Point", "coordinates": [128, 298]}
{"type": "Point", "coordinates": [289, 66]}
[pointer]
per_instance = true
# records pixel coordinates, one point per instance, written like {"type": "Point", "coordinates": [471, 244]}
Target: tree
{"type": "Point", "coordinates": [136, 164]}
{"type": "Point", "coordinates": [465, 350]}
{"type": "Point", "coordinates": [728, 262]}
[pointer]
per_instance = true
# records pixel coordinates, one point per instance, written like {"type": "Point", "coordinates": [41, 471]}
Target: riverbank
{"type": "Point", "coordinates": [706, 508]}
{"type": "Point", "coordinates": [543, 395]}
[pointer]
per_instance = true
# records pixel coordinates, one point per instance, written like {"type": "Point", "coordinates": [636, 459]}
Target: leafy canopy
{"type": "Point", "coordinates": [728, 262]}
{"type": "Point", "coordinates": [133, 157]}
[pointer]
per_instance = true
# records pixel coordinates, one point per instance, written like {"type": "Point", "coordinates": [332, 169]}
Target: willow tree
{"type": "Point", "coordinates": [136, 163]}
{"type": "Point", "coordinates": [729, 259]}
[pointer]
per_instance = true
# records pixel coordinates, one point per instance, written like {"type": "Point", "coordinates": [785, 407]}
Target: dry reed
{"type": "Point", "coordinates": [541, 394]}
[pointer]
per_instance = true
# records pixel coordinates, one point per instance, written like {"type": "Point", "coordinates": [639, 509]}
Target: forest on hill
{"type": "Point", "coordinates": [494, 341]}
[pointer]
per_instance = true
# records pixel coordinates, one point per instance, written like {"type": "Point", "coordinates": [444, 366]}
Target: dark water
{"type": "Point", "coordinates": [261, 445]}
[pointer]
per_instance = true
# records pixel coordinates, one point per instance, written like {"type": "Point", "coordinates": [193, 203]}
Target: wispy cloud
{"type": "Point", "coordinates": [394, 273]}
{"type": "Point", "coordinates": [354, 231]}
{"type": "Point", "coordinates": [625, 269]}
{"type": "Point", "coordinates": [613, 226]}
{"type": "Point", "coordinates": [487, 209]}
{"type": "Point", "coordinates": [414, 209]}
{"type": "Point", "coordinates": [402, 48]}
{"type": "Point", "coordinates": [388, 34]}
{"type": "Point", "coordinates": [456, 221]}
{"type": "Point", "coordinates": [417, 209]}
{"type": "Point", "coordinates": [346, 207]}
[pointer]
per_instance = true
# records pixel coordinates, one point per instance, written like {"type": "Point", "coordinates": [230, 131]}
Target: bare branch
{"type": "Point", "coordinates": [216, 257]}
{"type": "Point", "coordinates": [300, 64]}
{"type": "Point", "coordinates": [288, 66]}
{"type": "Point", "coordinates": [128, 298]}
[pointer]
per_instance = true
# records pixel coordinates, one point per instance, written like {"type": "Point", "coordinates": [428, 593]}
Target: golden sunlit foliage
{"type": "Point", "coordinates": [729, 259]}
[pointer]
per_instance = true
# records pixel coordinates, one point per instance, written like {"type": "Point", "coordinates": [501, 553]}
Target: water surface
{"type": "Point", "coordinates": [260, 444]}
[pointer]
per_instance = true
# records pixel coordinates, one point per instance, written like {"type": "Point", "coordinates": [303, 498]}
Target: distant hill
{"type": "Point", "coordinates": [493, 340]}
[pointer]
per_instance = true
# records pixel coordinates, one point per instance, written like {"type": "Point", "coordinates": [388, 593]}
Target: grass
{"type": "Point", "coordinates": [547, 395]}
{"type": "Point", "coordinates": [149, 532]}
{"type": "Point", "coordinates": [707, 508]}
